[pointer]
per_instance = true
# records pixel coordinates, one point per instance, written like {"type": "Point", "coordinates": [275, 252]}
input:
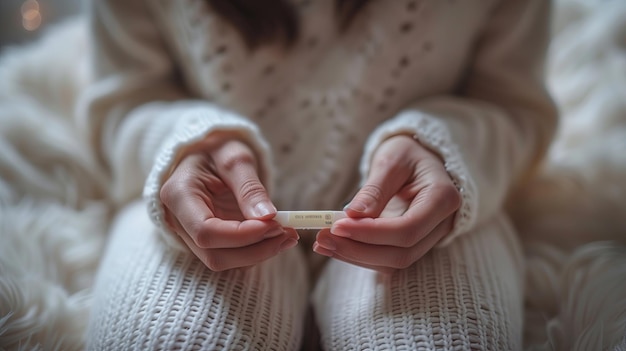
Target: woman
{"type": "Point", "coordinates": [224, 111]}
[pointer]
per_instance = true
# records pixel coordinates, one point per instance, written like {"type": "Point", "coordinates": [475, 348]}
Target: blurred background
{"type": "Point", "coordinates": [24, 20]}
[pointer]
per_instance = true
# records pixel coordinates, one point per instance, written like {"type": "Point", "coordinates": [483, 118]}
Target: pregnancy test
{"type": "Point", "coordinates": [308, 219]}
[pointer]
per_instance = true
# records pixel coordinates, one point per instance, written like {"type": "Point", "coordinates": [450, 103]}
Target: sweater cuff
{"type": "Point", "coordinates": [194, 125]}
{"type": "Point", "coordinates": [433, 134]}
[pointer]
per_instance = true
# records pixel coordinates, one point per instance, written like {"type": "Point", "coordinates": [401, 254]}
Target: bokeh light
{"type": "Point", "coordinates": [31, 16]}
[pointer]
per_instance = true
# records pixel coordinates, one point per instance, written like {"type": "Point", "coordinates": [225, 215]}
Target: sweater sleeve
{"type": "Point", "coordinates": [137, 114]}
{"type": "Point", "coordinates": [494, 132]}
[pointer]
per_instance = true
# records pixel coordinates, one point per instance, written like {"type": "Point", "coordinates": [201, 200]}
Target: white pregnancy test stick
{"type": "Point", "coordinates": [308, 219]}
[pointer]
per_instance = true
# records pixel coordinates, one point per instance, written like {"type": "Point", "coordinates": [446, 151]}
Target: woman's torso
{"type": "Point", "coordinates": [317, 101]}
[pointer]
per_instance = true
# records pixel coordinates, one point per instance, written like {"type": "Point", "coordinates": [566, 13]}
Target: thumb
{"type": "Point", "coordinates": [252, 197]}
{"type": "Point", "coordinates": [391, 167]}
{"type": "Point", "coordinates": [382, 184]}
{"type": "Point", "coordinates": [237, 168]}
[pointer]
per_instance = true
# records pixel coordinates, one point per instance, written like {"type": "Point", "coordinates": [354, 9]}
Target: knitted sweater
{"type": "Point", "coordinates": [463, 77]}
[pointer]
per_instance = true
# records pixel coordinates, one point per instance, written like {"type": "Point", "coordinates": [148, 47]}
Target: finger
{"type": "Point", "coordinates": [387, 176]}
{"type": "Point", "coordinates": [322, 251]}
{"type": "Point", "coordinates": [229, 258]}
{"type": "Point", "coordinates": [237, 167]}
{"type": "Point", "coordinates": [395, 207]}
{"type": "Point", "coordinates": [382, 255]}
{"type": "Point", "coordinates": [189, 211]}
{"type": "Point", "coordinates": [215, 233]}
{"type": "Point", "coordinates": [427, 210]}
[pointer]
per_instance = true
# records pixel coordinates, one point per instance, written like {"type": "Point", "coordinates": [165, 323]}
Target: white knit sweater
{"type": "Point", "coordinates": [464, 77]}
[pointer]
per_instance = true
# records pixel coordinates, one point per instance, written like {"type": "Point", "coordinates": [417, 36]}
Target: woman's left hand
{"type": "Point", "coordinates": [406, 206]}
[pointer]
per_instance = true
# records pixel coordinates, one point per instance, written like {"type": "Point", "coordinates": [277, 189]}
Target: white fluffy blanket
{"type": "Point", "coordinates": [54, 212]}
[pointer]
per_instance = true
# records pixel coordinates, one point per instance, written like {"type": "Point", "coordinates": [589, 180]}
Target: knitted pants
{"type": "Point", "coordinates": [466, 296]}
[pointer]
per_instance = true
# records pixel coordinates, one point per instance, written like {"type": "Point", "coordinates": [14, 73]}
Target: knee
{"type": "Point", "coordinates": [181, 305]}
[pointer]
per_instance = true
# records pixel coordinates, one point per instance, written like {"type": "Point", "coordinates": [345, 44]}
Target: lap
{"type": "Point", "coordinates": [149, 297]}
{"type": "Point", "coordinates": [467, 295]}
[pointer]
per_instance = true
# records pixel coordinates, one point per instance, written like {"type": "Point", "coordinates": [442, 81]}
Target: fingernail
{"type": "Point", "coordinates": [263, 209]}
{"type": "Point", "coordinates": [327, 243]}
{"type": "Point", "coordinates": [358, 207]}
{"type": "Point", "coordinates": [288, 244]}
{"type": "Point", "coordinates": [272, 233]}
{"type": "Point", "coordinates": [339, 232]}
{"type": "Point", "coordinates": [322, 251]}
{"type": "Point", "coordinates": [346, 206]}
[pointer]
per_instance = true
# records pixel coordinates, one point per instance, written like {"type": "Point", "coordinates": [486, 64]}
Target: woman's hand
{"type": "Point", "coordinates": [215, 201]}
{"type": "Point", "coordinates": [406, 206]}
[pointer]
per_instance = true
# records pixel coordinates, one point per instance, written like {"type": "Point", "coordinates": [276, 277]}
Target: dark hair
{"type": "Point", "coordinates": [267, 21]}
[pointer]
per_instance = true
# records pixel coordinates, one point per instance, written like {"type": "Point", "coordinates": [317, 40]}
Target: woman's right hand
{"type": "Point", "coordinates": [216, 202]}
